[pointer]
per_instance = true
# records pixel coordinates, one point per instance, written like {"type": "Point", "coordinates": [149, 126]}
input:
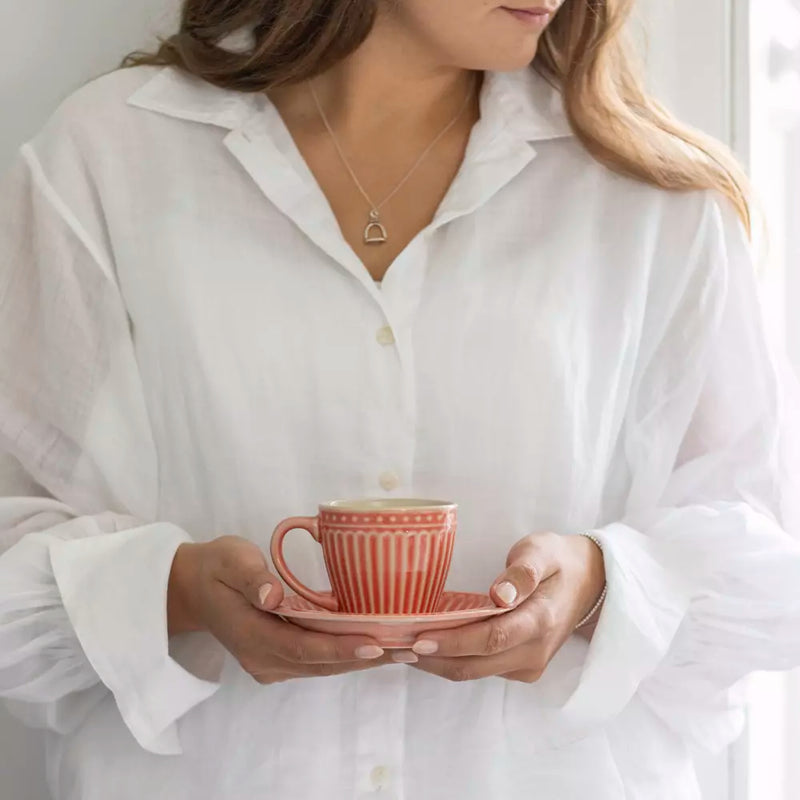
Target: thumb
{"type": "Point", "coordinates": [243, 567]}
{"type": "Point", "coordinates": [531, 561]}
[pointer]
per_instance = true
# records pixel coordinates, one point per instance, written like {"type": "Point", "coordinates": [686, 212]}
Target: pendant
{"type": "Point", "coordinates": [374, 233]}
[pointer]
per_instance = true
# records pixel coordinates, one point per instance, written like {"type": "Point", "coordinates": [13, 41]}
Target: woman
{"type": "Point", "coordinates": [340, 248]}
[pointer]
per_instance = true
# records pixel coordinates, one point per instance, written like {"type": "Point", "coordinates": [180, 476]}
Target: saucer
{"type": "Point", "coordinates": [391, 631]}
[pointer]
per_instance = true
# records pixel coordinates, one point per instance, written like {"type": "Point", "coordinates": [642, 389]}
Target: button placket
{"type": "Point", "coordinates": [381, 777]}
{"type": "Point", "coordinates": [388, 476]}
{"type": "Point", "coordinates": [380, 732]}
{"type": "Point", "coordinates": [385, 335]}
{"type": "Point", "coordinates": [389, 480]}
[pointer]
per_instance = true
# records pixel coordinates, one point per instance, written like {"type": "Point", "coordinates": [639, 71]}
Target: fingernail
{"type": "Point", "coordinates": [369, 651]}
{"type": "Point", "coordinates": [404, 657]}
{"type": "Point", "coordinates": [263, 592]}
{"type": "Point", "coordinates": [425, 647]}
{"type": "Point", "coordinates": [507, 592]}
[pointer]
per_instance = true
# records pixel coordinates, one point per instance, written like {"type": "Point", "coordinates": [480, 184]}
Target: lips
{"type": "Point", "coordinates": [536, 11]}
{"type": "Point", "coordinates": [537, 17]}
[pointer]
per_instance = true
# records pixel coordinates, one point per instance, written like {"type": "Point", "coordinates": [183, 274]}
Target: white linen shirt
{"type": "Point", "coordinates": [190, 348]}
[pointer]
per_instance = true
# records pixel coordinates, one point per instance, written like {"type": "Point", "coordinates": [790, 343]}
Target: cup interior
{"type": "Point", "coordinates": [385, 503]}
{"type": "Point", "coordinates": [387, 555]}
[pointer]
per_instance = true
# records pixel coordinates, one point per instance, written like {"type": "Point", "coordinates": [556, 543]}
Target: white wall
{"type": "Point", "coordinates": [52, 46]}
{"type": "Point", "coordinates": [689, 59]}
{"type": "Point", "coordinates": [690, 55]}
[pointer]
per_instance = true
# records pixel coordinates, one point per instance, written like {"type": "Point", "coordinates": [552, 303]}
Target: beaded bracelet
{"type": "Point", "coordinates": [602, 594]}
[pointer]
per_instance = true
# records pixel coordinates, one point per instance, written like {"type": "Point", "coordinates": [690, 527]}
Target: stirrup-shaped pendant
{"type": "Point", "coordinates": [374, 233]}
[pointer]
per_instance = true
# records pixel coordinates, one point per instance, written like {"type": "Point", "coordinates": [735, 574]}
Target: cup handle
{"type": "Point", "coordinates": [310, 524]}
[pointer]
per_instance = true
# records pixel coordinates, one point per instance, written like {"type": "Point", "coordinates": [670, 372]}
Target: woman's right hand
{"type": "Point", "coordinates": [224, 587]}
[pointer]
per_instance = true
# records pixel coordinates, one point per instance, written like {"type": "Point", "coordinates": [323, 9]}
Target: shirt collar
{"type": "Point", "coordinates": [519, 102]}
{"type": "Point", "coordinates": [525, 103]}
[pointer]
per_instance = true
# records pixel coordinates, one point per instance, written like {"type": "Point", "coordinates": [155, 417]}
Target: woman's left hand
{"type": "Point", "coordinates": [551, 582]}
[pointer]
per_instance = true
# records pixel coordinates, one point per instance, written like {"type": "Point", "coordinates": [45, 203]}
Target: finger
{"type": "Point", "coordinates": [283, 671]}
{"type": "Point", "coordinates": [524, 675]}
{"type": "Point", "coordinates": [485, 638]}
{"type": "Point", "coordinates": [298, 646]}
{"type": "Point", "coordinates": [476, 667]}
{"type": "Point", "coordinates": [325, 670]}
{"type": "Point", "coordinates": [531, 561]}
{"type": "Point", "coordinates": [242, 566]}
{"type": "Point", "coordinates": [256, 638]}
{"type": "Point", "coordinates": [404, 657]}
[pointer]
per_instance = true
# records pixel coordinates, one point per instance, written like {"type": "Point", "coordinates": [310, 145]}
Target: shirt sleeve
{"type": "Point", "coordinates": [703, 568]}
{"type": "Point", "coordinates": [84, 567]}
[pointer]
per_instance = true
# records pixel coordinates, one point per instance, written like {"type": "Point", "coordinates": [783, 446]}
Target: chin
{"type": "Point", "coordinates": [506, 61]}
{"type": "Point", "coordinates": [510, 63]}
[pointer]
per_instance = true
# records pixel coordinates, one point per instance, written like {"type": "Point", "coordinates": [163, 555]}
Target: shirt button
{"type": "Point", "coordinates": [389, 480]}
{"type": "Point", "coordinates": [380, 777]}
{"type": "Point", "coordinates": [385, 335]}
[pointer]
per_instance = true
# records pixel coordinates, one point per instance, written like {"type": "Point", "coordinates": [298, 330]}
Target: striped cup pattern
{"type": "Point", "coordinates": [392, 562]}
{"type": "Point", "coordinates": [382, 558]}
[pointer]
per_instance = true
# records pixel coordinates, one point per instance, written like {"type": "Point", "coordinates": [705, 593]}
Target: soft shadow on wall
{"type": "Point", "coordinates": [51, 47]}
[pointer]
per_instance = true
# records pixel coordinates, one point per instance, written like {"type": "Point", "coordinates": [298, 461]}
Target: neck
{"type": "Point", "coordinates": [390, 84]}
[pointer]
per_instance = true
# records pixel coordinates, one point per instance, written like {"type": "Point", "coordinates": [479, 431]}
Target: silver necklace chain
{"type": "Point", "coordinates": [375, 232]}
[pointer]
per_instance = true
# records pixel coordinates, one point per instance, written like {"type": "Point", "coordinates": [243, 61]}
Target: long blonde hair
{"type": "Point", "coordinates": [585, 51]}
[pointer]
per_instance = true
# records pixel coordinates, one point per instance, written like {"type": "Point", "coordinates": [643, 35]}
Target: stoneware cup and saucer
{"type": "Point", "coordinates": [387, 560]}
